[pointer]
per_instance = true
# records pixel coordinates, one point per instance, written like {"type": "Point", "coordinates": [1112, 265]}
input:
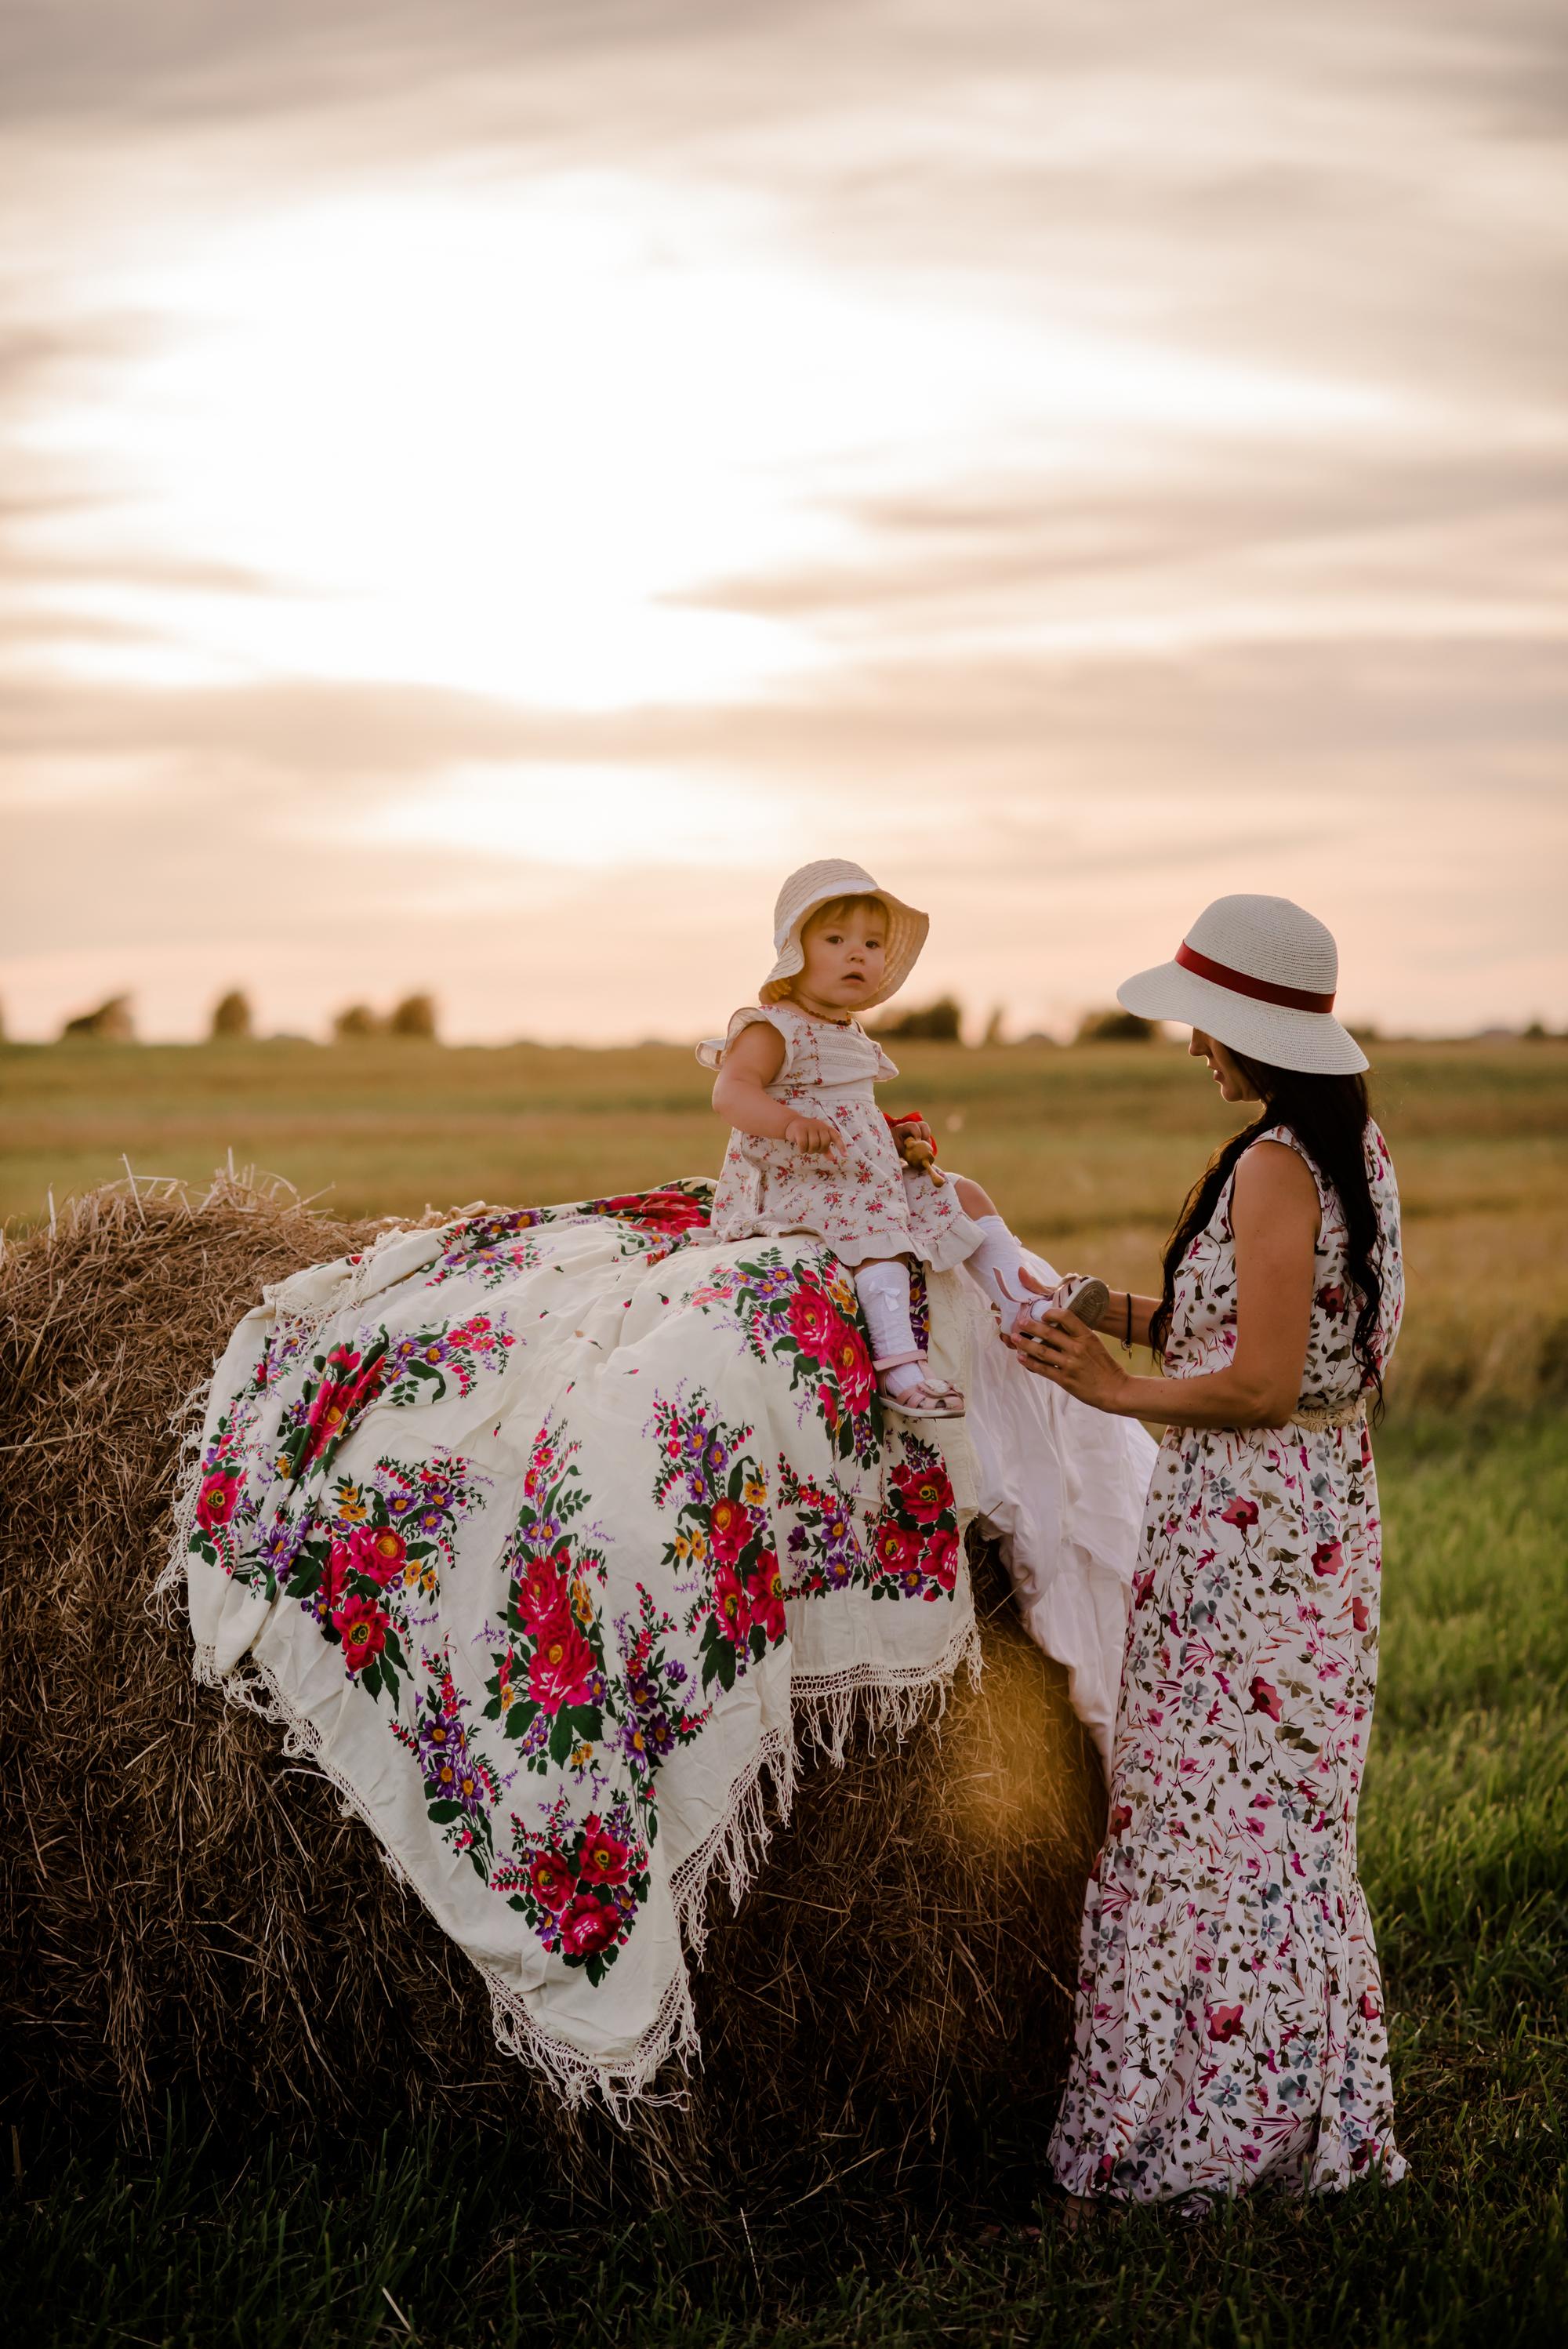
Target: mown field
{"type": "Point", "coordinates": [1088, 1152]}
{"type": "Point", "coordinates": [446, 2240]}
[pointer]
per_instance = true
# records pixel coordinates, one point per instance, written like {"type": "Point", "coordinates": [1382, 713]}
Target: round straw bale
{"type": "Point", "coordinates": [183, 1908]}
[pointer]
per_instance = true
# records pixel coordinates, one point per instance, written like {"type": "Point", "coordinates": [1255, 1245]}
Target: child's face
{"type": "Point", "coordinates": [846, 958]}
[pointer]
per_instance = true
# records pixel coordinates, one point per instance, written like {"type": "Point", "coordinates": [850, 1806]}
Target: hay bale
{"type": "Point", "coordinates": [895, 1987]}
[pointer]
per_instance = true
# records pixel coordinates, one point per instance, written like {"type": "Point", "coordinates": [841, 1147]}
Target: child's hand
{"type": "Point", "coordinates": [814, 1137]}
{"type": "Point", "coordinates": [913, 1130]}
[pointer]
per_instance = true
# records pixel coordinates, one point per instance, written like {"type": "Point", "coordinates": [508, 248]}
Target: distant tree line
{"type": "Point", "coordinates": [232, 1018]}
{"type": "Point", "coordinates": [941, 1022]}
{"type": "Point", "coordinates": [414, 1016]}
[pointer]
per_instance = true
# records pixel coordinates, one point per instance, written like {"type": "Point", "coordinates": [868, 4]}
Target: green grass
{"type": "Point", "coordinates": [1465, 1854]}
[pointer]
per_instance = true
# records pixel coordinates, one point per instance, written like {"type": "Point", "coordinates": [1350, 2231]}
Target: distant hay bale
{"type": "Point", "coordinates": [1115, 1027]}
{"type": "Point", "coordinates": [414, 1016]}
{"type": "Point", "coordinates": [180, 1906]}
{"type": "Point", "coordinates": [941, 1022]}
{"type": "Point", "coordinates": [232, 1015]}
{"type": "Point", "coordinates": [354, 1023]}
{"type": "Point", "coordinates": [111, 1023]}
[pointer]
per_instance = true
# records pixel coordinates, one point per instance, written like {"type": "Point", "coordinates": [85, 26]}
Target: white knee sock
{"type": "Point", "coordinates": [996, 1264]}
{"type": "Point", "coordinates": [882, 1288]}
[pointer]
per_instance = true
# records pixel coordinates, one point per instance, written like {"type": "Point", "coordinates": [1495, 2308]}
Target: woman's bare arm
{"type": "Point", "coordinates": [751, 1064]}
{"type": "Point", "coordinates": [1275, 1218]}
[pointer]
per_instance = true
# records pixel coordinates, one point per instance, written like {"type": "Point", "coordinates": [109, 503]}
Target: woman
{"type": "Point", "coordinates": [1230, 2024]}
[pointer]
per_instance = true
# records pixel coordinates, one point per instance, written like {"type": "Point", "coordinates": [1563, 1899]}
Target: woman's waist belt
{"type": "Point", "coordinates": [1315, 1415]}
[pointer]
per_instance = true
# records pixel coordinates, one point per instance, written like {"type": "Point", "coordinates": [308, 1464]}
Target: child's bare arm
{"type": "Point", "coordinates": [751, 1064]}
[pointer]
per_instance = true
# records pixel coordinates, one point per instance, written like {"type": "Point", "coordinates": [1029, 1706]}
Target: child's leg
{"type": "Point", "coordinates": [882, 1287]}
{"type": "Point", "coordinates": [998, 1263]}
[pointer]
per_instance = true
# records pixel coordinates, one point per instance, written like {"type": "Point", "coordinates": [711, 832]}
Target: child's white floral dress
{"type": "Point", "coordinates": [1230, 2027]}
{"type": "Point", "coordinates": [865, 1205]}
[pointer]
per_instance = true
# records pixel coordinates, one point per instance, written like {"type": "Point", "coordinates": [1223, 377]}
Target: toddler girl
{"type": "Point", "coordinates": [811, 1152]}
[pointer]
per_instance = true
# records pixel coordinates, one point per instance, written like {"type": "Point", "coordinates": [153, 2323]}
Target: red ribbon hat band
{"type": "Point", "coordinates": [1242, 982]}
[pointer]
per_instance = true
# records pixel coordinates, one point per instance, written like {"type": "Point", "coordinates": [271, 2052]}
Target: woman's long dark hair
{"type": "Point", "coordinates": [1328, 1117]}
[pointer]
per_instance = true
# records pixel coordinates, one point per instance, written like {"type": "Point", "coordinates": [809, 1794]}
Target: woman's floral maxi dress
{"type": "Point", "coordinates": [1230, 2027]}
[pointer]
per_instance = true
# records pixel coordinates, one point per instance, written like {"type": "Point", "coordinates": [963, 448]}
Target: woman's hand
{"type": "Point", "coordinates": [1053, 1292]}
{"type": "Point", "coordinates": [814, 1137]}
{"type": "Point", "coordinates": [1057, 1347]}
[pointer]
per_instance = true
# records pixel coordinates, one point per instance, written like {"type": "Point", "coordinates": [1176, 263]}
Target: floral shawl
{"type": "Point", "coordinates": [546, 1534]}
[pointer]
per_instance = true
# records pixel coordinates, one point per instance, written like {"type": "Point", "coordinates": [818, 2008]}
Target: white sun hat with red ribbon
{"type": "Point", "coordinates": [1258, 973]}
{"type": "Point", "coordinates": [818, 884]}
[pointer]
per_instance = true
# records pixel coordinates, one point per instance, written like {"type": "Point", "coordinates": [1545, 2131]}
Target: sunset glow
{"type": "Point", "coordinates": [1032, 473]}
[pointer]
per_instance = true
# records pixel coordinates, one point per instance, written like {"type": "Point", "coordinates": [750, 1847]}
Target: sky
{"type": "Point", "coordinates": [487, 487]}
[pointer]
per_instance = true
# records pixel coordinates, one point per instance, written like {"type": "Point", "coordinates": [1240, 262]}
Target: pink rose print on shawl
{"type": "Point", "coordinates": [765, 1599]}
{"type": "Point", "coordinates": [361, 1625]}
{"type": "Point", "coordinates": [722, 1536]}
{"type": "Point", "coordinates": [914, 1543]}
{"type": "Point", "coordinates": [851, 1361]}
{"type": "Point", "coordinates": [540, 1592]}
{"type": "Point", "coordinates": [730, 1610]}
{"type": "Point", "coordinates": [655, 1211]}
{"type": "Point", "coordinates": [605, 1856]}
{"type": "Point", "coordinates": [562, 1664]}
{"type": "Point", "coordinates": [1241, 1514]}
{"type": "Point", "coordinates": [924, 1491]}
{"type": "Point", "coordinates": [582, 1886]}
{"type": "Point", "coordinates": [1224, 2025]}
{"type": "Point", "coordinates": [807, 1317]}
{"type": "Point", "coordinates": [589, 1926]}
{"type": "Point", "coordinates": [553, 1881]}
{"type": "Point", "coordinates": [379, 1551]}
{"type": "Point", "coordinates": [1264, 1697]}
{"type": "Point", "coordinates": [339, 1400]}
{"type": "Point", "coordinates": [813, 1324]}
{"type": "Point", "coordinates": [216, 1504]}
{"type": "Point", "coordinates": [731, 1525]}
{"type": "Point", "coordinates": [1328, 1558]}
{"type": "Point", "coordinates": [939, 1560]}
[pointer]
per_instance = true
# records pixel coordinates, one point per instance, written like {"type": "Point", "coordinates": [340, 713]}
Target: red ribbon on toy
{"type": "Point", "coordinates": [910, 1117]}
{"type": "Point", "coordinates": [1242, 982]}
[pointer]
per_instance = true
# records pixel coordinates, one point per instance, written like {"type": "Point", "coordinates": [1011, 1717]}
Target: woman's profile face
{"type": "Point", "coordinates": [1234, 1086]}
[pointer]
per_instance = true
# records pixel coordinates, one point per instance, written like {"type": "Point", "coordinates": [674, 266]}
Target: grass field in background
{"type": "Point", "coordinates": [454, 2243]}
{"type": "Point", "coordinates": [1088, 1151]}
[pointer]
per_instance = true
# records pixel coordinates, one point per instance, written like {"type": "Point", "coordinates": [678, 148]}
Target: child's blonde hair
{"type": "Point", "coordinates": [836, 909]}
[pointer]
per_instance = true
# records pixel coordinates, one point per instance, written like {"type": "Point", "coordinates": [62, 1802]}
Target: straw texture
{"type": "Point", "coordinates": [895, 1984]}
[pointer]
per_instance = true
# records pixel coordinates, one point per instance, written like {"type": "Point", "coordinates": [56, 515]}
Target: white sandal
{"type": "Point", "coordinates": [932, 1399]}
{"type": "Point", "coordinates": [1088, 1300]}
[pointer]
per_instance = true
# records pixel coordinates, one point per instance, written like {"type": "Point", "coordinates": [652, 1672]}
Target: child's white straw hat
{"type": "Point", "coordinates": [817, 884]}
{"type": "Point", "coordinates": [1258, 973]}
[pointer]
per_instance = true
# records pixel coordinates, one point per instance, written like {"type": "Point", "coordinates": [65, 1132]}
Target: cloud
{"type": "Point", "coordinates": [1295, 607]}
